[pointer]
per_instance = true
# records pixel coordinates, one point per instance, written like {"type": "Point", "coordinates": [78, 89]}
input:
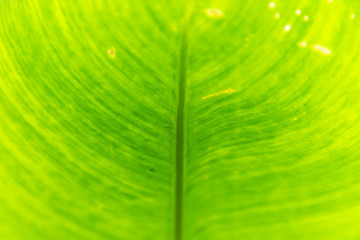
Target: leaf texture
{"type": "Point", "coordinates": [87, 137]}
{"type": "Point", "coordinates": [89, 100]}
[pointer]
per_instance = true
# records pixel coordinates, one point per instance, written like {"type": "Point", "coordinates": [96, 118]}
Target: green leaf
{"type": "Point", "coordinates": [184, 120]}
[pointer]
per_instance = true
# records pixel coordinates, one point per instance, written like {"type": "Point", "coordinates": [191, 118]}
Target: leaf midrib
{"type": "Point", "coordinates": [179, 163]}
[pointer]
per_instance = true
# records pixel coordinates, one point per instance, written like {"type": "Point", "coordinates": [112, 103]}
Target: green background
{"type": "Point", "coordinates": [88, 139]}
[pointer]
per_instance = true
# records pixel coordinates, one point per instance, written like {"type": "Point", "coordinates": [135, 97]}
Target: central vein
{"type": "Point", "coordinates": [180, 134]}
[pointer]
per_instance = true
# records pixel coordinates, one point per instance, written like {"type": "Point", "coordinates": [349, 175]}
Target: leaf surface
{"type": "Point", "coordinates": [92, 145]}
